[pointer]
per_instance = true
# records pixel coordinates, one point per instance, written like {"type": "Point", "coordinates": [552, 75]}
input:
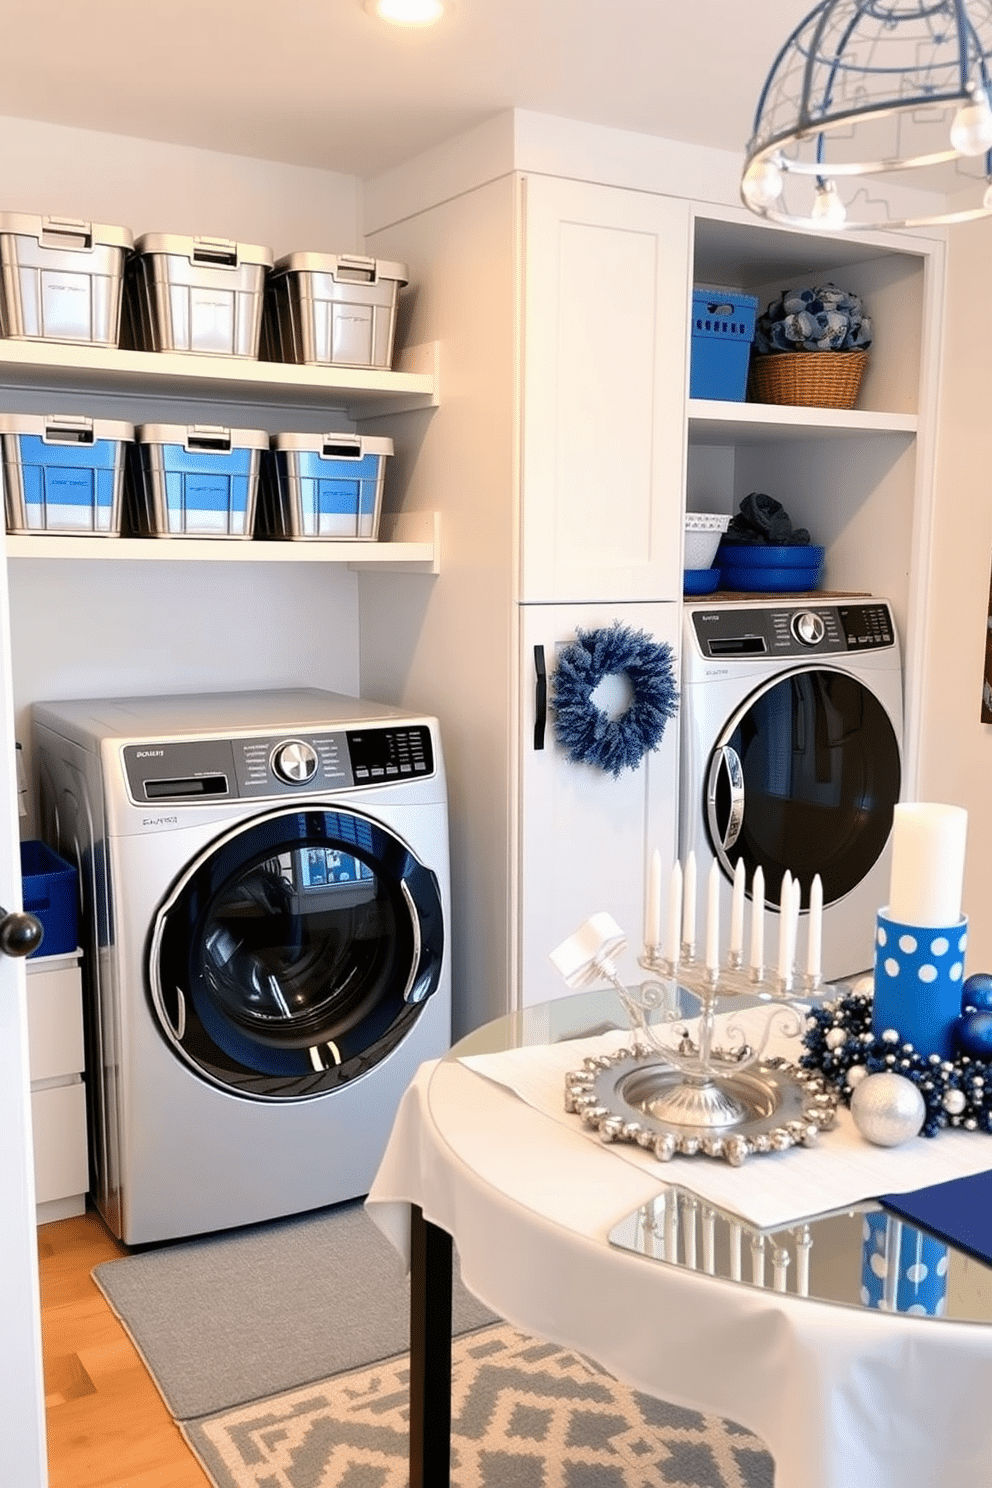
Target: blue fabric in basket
{"type": "Point", "coordinates": [959, 1211]}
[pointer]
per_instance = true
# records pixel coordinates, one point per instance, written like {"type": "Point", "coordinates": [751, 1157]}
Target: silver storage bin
{"type": "Point", "coordinates": [323, 486]}
{"type": "Point", "coordinates": [61, 279]}
{"type": "Point", "coordinates": [63, 473]}
{"type": "Point", "coordinates": [196, 480]}
{"type": "Point", "coordinates": [195, 294]}
{"type": "Point", "coordinates": [332, 309]}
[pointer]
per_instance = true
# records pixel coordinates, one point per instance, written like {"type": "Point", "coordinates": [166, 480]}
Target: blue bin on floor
{"type": "Point", "coordinates": [50, 892]}
{"type": "Point", "coordinates": [63, 473]}
{"type": "Point", "coordinates": [197, 480]}
{"type": "Point", "coordinates": [722, 332]}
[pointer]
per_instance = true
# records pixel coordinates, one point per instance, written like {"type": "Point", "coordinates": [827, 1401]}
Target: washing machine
{"type": "Point", "coordinates": [791, 756]}
{"type": "Point", "coordinates": [264, 896]}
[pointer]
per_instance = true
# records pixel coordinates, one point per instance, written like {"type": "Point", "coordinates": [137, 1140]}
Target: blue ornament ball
{"type": "Point", "coordinates": [975, 1034]}
{"type": "Point", "coordinates": [976, 991]}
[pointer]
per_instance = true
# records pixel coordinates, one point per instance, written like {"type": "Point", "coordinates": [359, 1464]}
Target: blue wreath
{"type": "Point", "coordinates": [587, 734]}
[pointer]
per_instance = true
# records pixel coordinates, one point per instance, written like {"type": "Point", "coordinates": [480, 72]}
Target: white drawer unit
{"type": "Point", "coordinates": [58, 1095]}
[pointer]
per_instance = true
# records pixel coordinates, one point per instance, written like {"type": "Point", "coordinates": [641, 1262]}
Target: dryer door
{"type": "Point", "coordinates": [805, 776]}
{"type": "Point", "coordinates": [295, 953]}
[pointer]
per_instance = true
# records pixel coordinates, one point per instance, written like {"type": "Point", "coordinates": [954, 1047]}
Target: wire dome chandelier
{"type": "Point", "coordinates": [887, 91]}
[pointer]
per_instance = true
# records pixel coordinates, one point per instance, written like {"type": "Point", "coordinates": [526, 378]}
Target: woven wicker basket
{"type": "Point", "coordinates": [811, 379]}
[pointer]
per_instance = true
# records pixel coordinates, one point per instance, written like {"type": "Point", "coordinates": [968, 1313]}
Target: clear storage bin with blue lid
{"type": "Point", "coordinates": [324, 486]}
{"type": "Point", "coordinates": [196, 480]}
{"type": "Point", "coordinates": [63, 473]}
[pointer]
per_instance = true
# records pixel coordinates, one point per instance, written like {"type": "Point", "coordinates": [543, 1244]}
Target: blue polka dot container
{"type": "Point", "coordinates": [902, 1269]}
{"type": "Point", "coordinates": [919, 971]}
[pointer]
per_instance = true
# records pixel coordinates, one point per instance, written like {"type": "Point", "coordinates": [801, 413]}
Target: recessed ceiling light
{"type": "Point", "coordinates": [407, 12]}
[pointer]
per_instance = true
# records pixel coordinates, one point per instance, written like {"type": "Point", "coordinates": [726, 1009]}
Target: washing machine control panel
{"type": "Point", "coordinates": [198, 771]}
{"type": "Point", "coordinates": [730, 631]}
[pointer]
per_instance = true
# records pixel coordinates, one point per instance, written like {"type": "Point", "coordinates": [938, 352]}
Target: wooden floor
{"type": "Point", "coordinates": [107, 1426]}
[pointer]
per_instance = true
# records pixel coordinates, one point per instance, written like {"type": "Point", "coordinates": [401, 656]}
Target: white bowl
{"type": "Point", "coordinates": [703, 531]}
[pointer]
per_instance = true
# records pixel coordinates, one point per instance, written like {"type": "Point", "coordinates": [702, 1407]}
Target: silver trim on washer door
{"type": "Point", "coordinates": [725, 760]}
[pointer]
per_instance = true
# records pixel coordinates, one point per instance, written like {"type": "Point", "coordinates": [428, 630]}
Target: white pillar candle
{"type": "Point", "coordinates": [689, 901]}
{"type": "Point", "coordinates": [674, 914]}
{"type": "Point", "coordinates": [713, 919]}
{"type": "Point", "coordinates": [784, 923]}
{"type": "Point", "coordinates": [928, 847]}
{"type": "Point", "coordinates": [758, 919]}
{"type": "Point", "coordinates": [737, 911]}
{"type": "Point", "coordinates": [652, 918]}
{"type": "Point", "coordinates": [814, 944]}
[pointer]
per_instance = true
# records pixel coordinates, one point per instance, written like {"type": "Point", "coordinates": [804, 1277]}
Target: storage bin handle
{"type": "Point", "coordinates": [354, 267]}
{"type": "Point", "coordinates": [337, 450]}
{"type": "Point", "coordinates": [208, 437]}
{"type": "Point", "coordinates": [719, 307]}
{"type": "Point", "coordinates": [20, 933]}
{"type": "Point", "coordinates": [220, 252]}
{"type": "Point", "coordinates": [66, 232]}
{"type": "Point", "coordinates": [67, 429]}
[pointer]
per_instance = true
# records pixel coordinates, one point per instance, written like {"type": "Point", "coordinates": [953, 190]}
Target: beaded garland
{"type": "Point", "coordinates": [840, 1041]}
{"type": "Point", "coordinates": [587, 734]}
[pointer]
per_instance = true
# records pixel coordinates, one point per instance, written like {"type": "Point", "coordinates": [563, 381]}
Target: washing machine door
{"type": "Point", "coordinates": [295, 953]}
{"type": "Point", "coordinates": [805, 776]}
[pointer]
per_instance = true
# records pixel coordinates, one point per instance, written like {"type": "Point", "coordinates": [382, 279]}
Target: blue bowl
{"type": "Point", "coordinates": [770, 580]}
{"type": "Point", "coordinates": [700, 580]}
{"type": "Point", "coordinates": [768, 555]}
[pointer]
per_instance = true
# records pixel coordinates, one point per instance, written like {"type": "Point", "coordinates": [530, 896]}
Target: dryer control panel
{"type": "Point", "coordinates": [800, 630]}
{"type": "Point", "coordinates": [191, 771]}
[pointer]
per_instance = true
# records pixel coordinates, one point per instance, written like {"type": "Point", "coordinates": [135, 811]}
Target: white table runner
{"type": "Point", "coordinates": [773, 1189]}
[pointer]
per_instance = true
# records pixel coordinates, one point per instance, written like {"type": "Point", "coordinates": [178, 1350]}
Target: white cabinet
{"type": "Point", "coordinates": [603, 384]}
{"type": "Point", "coordinates": [584, 835]}
{"type": "Point", "coordinates": [58, 1094]}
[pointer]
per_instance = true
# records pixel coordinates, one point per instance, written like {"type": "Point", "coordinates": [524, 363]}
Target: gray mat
{"type": "Point", "coordinates": [251, 1313]}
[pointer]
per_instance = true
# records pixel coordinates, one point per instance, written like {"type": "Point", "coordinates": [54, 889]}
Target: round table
{"type": "Point", "coordinates": [840, 1396]}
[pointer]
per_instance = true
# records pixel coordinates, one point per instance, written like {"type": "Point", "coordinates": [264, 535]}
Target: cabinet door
{"type": "Point", "coordinates": [605, 335]}
{"type": "Point", "coordinates": [586, 839]}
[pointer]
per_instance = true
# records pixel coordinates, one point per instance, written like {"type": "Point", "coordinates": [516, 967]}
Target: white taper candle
{"type": "Point", "coordinates": [689, 900]}
{"type": "Point", "coordinates": [796, 905]}
{"type": "Point", "coordinates": [784, 923]}
{"type": "Point", "coordinates": [814, 945]}
{"type": "Point", "coordinates": [737, 910]}
{"type": "Point", "coordinates": [758, 919]}
{"type": "Point", "coordinates": [652, 917]}
{"type": "Point", "coordinates": [673, 942]}
{"type": "Point", "coordinates": [713, 918]}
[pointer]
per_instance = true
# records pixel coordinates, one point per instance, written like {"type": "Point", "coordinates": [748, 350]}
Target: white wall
{"type": "Point", "coordinates": [956, 756]}
{"type": "Point", "coordinates": [106, 628]}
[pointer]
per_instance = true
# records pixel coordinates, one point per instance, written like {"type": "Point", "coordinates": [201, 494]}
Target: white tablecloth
{"type": "Point", "coordinates": [842, 1399]}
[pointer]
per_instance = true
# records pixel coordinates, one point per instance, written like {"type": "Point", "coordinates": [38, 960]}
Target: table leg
{"type": "Point", "coordinates": [430, 1353]}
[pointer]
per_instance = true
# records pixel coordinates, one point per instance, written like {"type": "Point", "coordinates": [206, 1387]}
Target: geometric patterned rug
{"type": "Point", "coordinates": [524, 1415]}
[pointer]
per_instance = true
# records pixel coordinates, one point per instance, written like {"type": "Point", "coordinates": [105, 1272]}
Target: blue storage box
{"type": "Point", "coordinates": [324, 486]}
{"type": "Point", "coordinates": [722, 332]}
{"type": "Point", "coordinates": [63, 473]}
{"type": "Point", "coordinates": [51, 894]}
{"type": "Point", "coordinates": [197, 480]}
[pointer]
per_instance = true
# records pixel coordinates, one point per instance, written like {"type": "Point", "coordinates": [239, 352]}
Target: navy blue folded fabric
{"type": "Point", "coordinates": [958, 1212]}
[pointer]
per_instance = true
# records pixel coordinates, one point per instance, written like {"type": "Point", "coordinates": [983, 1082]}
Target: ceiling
{"type": "Point", "coordinates": [321, 83]}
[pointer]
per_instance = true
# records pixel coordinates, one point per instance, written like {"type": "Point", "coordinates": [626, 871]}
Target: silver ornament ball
{"type": "Point", "coordinates": [887, 1109]}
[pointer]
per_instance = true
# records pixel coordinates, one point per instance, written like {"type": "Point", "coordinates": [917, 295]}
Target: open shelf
{"type": "Point", "coordinates": [362, 392]}
{"type": "Point", "coordinates": [767, 423]}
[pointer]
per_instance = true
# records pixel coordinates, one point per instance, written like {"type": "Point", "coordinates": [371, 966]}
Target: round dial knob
{"type": "Point", "coordinates": [295, 762]}
{"type": "Point", "coordinates": [808, 628]}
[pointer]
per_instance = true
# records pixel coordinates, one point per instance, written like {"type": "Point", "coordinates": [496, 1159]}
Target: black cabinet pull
{"type": "Point", "coordinates": [540, 698]}
{"type": "Point", "coordinates": [20, 933]}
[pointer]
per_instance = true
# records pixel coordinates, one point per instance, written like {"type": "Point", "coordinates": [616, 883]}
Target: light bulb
{"type": "Point", "coordinates": [762, 183]}
{"type": "Point", "coordinates": [408, 12]}
{"type": "Point", "coordinates": [828, 210]}
{"type": "Point", "coordinates": [971, 131]}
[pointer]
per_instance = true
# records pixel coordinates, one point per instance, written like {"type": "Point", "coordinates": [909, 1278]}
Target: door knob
{"type": "Point", "coordinates": [20, 933]}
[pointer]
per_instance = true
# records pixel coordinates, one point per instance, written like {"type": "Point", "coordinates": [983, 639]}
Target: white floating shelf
{"type": "Point", "coordinates": [362, 392]}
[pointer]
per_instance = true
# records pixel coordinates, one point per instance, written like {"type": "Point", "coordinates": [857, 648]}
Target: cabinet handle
{"type": "Point", "coordinates": [20, 933]}
{"type": "Point", "coordinates": [540, 698]}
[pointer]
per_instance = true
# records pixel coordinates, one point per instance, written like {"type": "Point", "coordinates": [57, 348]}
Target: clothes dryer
{"type": "Point", "coordinates": [791, 756]}
{"type": "Point", "coordinates": [265, 887]}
